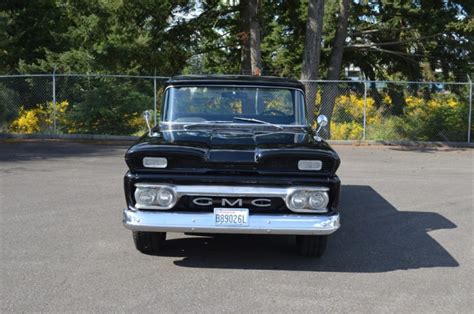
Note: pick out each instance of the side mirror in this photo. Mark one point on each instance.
(146, 116)
(322, 122)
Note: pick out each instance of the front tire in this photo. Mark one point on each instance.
(311, 245)
(149, 242)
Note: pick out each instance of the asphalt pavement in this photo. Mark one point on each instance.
(405, 245)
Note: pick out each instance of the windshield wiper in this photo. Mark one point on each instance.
(204, 123)
(258, 121)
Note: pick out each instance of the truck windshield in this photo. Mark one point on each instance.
(207, 104)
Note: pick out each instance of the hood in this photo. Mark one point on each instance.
(235, 139)
(208, 148)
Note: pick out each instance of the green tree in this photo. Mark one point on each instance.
(97, 36)
(406, 39)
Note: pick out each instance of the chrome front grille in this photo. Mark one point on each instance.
(254, 204)
(207, 197)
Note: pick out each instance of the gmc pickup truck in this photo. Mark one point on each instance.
(232, 154)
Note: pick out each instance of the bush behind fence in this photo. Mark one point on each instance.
(359, 110)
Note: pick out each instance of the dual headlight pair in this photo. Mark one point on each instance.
(155, 198)
(307, 201)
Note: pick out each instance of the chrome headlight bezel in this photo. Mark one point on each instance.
(156, 189)
(308, 193)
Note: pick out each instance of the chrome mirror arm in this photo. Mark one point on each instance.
(317, 137)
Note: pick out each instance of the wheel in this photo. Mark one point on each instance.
(311, 245)
(148, 242)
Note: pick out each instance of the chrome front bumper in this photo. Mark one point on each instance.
(163, 221)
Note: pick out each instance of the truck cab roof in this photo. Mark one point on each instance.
(235, 80)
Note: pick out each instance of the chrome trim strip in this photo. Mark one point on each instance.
(234, 191)
(226, 190)
(309, 211)
(204, 222)
(170, 123)
(269, 86)
(154, 207)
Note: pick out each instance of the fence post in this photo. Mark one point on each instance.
(469, 118)
(54, 100)
(154, 97)
(365, 107)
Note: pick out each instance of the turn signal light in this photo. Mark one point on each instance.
(310, 165)
(155, 162)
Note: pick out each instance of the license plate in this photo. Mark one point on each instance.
(231, 217)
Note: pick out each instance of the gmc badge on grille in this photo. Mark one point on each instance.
(207, 201)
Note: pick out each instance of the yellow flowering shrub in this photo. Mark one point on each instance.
(27, 122)
(352, 107)
(40, 118)
(387, 100)
(419, 107)
(346, 130)
(136, 121)
(348, 116)
(440, 117)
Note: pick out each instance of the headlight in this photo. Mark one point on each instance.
(298, 200)
(165, 197)
(308, 201)
(318, 200)
(155, 197)
(145, 196)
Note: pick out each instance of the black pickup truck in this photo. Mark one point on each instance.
(232, 154)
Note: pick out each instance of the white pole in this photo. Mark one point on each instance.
(154, 97)
(469, 118)
(54, 100)
(365, 107)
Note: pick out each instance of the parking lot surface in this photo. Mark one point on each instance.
(405, 245)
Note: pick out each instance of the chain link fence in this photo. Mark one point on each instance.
(393, 111)
(78, 104)
(358, 110)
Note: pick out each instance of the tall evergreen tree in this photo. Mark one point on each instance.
(330, 91)
(312, 52)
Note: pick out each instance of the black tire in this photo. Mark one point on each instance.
(311, 245)
(149, 242)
